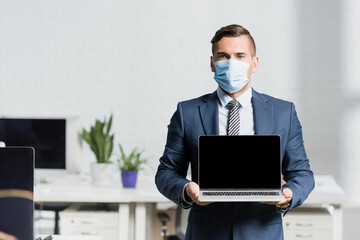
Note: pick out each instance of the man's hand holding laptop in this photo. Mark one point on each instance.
(192, 190)
(283, 204)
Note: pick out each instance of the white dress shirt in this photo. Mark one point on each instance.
(245, 111)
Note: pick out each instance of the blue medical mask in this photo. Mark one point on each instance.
(231, 74)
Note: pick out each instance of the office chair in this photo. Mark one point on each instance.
(180, 224)
(16, 192)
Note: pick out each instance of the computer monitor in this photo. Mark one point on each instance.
(57, 141)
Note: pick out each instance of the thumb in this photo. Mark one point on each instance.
(287, 193)
(193, 190)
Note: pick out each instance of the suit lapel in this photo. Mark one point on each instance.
(209, 114)
(263, 114)
(262, 110)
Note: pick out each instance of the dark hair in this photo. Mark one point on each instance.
(232, 30)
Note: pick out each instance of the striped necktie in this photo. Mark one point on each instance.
(234, 118)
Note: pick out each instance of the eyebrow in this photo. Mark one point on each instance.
(221, 53)
(224, 53)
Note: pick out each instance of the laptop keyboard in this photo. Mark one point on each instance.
(214, 193)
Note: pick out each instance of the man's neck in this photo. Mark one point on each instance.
(239, 93)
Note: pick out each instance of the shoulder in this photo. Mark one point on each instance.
(195, 102)
(276, 102)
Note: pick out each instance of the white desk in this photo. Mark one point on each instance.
(73, 188)
(78, 189)
(328, 192)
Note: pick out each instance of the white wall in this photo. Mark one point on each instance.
(349, 161)
(137, 59)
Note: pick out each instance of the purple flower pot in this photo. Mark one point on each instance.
(129, 179)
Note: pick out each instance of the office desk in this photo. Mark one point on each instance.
(135, 205)
(328, 193)
(78, 189)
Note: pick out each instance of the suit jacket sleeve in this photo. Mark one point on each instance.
(296, 169)
(170, 178)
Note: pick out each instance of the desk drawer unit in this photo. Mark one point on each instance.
(89, 221)
(308, 223)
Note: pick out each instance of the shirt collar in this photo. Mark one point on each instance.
(244, 99)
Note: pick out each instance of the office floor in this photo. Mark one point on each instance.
(45, 225)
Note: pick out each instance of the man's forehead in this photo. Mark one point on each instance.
(239, 44)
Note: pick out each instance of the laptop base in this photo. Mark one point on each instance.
(241, 196)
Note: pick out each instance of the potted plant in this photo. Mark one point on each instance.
(101, 143)
(129, 166)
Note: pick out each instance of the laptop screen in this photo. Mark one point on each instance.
(16, 192)
(240, 162)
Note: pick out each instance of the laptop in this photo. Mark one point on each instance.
(16, 192)
(241, 168)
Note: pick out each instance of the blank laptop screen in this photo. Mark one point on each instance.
(240, 162)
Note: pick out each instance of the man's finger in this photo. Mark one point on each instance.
(202, 203)
(283, 202)
(276, 203)
(270, 203)
(194, 196)
(192, 189)
(287, 193)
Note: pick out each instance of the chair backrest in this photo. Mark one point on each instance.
(181, 222)
(16, 192)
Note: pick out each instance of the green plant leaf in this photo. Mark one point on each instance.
(99, 140)
(109, 125)
(131, 162)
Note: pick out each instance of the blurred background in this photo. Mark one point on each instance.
(137, 59)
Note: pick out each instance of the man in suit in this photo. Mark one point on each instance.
(233, 62)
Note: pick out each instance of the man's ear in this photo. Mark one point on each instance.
(255, 63)
(212, 64)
